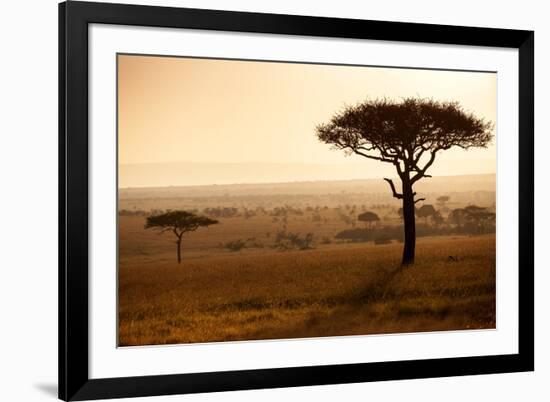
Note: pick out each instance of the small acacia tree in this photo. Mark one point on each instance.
(178, 222)
(407, 134)
(368, 217)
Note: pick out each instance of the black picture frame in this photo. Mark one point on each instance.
(74, 381)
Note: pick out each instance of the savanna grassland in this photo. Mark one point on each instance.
(242, 279)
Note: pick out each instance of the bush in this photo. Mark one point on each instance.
(235, 245)
(288, 241)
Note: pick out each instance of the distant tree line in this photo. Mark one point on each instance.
(471, 220)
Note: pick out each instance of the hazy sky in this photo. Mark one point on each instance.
(224, 111)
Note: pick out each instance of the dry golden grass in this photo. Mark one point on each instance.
(336, 289)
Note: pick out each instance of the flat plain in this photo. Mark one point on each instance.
(332, 287)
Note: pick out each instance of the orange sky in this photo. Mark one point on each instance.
(224, 111)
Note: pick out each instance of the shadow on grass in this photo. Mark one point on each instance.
(375, 291)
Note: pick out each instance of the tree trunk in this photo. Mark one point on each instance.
(178, 242)
(409, 224)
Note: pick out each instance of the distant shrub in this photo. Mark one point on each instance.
(235, 245)
(288, 241)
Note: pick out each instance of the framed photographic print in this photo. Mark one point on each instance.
(258, 201)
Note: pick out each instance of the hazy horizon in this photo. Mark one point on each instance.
(378, 180)
(172, 174)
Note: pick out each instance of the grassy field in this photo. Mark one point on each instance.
(261, 293)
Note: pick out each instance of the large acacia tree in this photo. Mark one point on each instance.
(178, 222)
(407, 134)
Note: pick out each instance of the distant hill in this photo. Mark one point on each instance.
(441, 184)
(199, 173)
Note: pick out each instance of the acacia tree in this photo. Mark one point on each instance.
(426, 211)
(457, 217)
(178, 222)
(407, 134)
(368, 217)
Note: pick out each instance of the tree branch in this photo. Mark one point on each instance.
(373, 157)
(422, 172)
(419, 155)
(399, 171)
(395, 193)
(420, 199)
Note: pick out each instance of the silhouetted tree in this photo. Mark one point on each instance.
(479, 217)
(178, 222)
(457, 217)
(407, 134)
(472, 219)
(426, 211)
(368, 217)
(437, 218)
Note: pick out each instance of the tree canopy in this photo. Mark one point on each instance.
(407, 134)
(426, 211)
(178, 222)
(368, 217)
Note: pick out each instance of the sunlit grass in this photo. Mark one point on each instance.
(337, 289)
